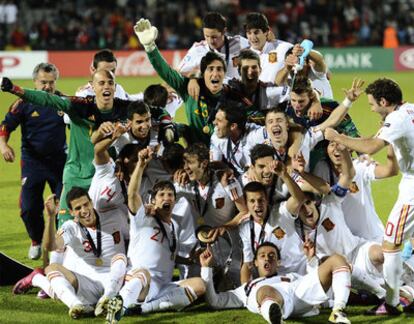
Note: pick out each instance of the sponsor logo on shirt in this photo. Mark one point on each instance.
(387, 125)
(35, 114)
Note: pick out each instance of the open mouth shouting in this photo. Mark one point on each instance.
(166, 206)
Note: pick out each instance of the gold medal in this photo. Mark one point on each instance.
(206, 129)
(99, 262)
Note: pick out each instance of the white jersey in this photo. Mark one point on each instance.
(280, 232)
(213, 204)
(224, 149)
(112, 242)
(149, 248)
(107, 196)
(321, 83)
(272, 59)
(229, 52)
(358, 205)
(332, 233)
(398, 130)
(153, 173)
(128, 138)
(184, 218)
(276, 192)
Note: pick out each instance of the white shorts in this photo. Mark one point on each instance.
(159, 288)
(89, 291)
(360, 259)
(400, 224)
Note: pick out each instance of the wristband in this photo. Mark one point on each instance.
(196, 75)
(347, 103)
(339, 191)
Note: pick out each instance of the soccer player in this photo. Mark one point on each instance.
(278, 297)
(43, 152)
(155, 240)
(228, 47)
(358, 206)
(99, 252)
(385, 98)
(272, 52)
(200, 112)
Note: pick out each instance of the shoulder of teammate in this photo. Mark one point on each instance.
(242, 41)
(85, 90)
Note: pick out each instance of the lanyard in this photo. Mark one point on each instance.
(262, 231)
(232, 152)
(249, 286)
(97, 250)
(173, 244)
(198, 196)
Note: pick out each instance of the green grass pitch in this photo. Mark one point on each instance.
(15, 242)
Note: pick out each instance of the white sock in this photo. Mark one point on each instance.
(118, 269)
(341, 286)
(131, 290)
(56, 257)
(63, 289)
(367, 282)
(392, 269)
(43, 283)
(265, 307)
(177, 298)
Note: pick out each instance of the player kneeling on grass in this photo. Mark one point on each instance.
(154, 243)
(99, 250)
(279, 297)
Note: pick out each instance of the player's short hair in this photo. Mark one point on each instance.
(387, 89)
(214, 20)
(256, 20)
(260, 151)
(209, 58)
(156, 95)
(247, 54)
(199, 149)
(267, 243)
(234, 115)
(277, 110)
(75, 193)
(253, 186)
(45, 67)
(109, 74)
(165, 184)
(137, 107)
(105, 55)
(302, 85)
(173, 156)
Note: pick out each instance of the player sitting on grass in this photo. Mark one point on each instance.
(279, 297)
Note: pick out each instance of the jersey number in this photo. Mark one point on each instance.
(154, 237)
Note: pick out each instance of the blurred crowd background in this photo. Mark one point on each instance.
(93, 24)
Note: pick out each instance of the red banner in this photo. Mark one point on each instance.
(404, 58)
(130, 63)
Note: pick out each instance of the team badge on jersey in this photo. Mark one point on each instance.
(235, 61)
(328, 225)
(279, 233)
(219, 202)
(353, 188)
(272, 58)
(87, 246)
(117, 237)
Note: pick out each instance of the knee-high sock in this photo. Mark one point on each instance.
(265, 307)
(177, 298)
(365, 281)
(392, 269)
(42, 282)
(117, 274)
(132, 288)
(341, 286)
(63, 289)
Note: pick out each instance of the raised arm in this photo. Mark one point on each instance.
(51, 241)
(134, 198)
(390, 168)
(105, 135)
(347, 169)
(339, 112)
(319, 63)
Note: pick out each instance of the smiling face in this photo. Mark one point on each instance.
(214, 38)
(222, 126)
(262, 170)
(193, 167)
(82, 210)
(308, 213)
(250, 70)
(300, 103)
(266, 261)
(257, 38)
(141, 125)
(334, 153)
(257, 204)
(164, 201)
(277, 126)
(214, 76)
(103, 84)
(45, 81)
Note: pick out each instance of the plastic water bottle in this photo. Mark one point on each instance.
(307, 45)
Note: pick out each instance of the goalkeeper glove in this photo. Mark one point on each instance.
(146, 34)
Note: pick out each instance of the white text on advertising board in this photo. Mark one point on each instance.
(349, 60)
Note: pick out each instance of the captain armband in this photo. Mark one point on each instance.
(339, 191)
